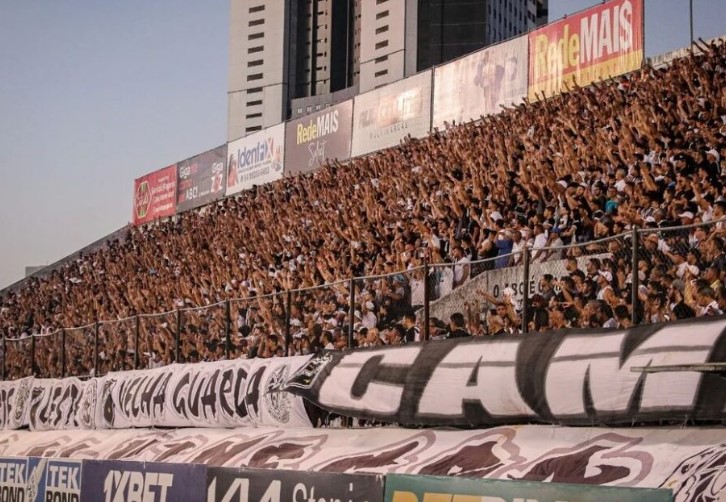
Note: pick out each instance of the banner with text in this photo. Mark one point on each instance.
(54, 404)
(427, 488)
(255, 159)
(143, 481)
(201, 179)
(311, 140)
(481, 84)
(597, 43)
(14, 403)
(572, 378)
(155, 195)
(224, 483)
(384, 116)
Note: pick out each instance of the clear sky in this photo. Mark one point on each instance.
(96, 93)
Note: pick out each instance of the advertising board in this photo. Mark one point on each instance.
(255, 159)
(201, 179)
(313, 139)
(481, 83)
(155, 195)
(597, 43)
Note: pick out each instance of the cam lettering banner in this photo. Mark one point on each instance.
(594, 44)
(201, 179)
(574, 378)
(425, 488)
(312, 140)
(154, 195)
(481, 84)
(255, 159)
(225, 484)
(383, 117)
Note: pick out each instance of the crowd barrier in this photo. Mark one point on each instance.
(65, 480)
(227, 330)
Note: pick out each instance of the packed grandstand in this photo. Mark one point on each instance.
(537, 296)
(569, 179)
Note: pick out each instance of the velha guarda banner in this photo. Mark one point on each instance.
(594, 44)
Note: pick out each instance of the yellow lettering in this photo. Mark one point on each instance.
(573, 50)
(404, 497)
(540, 62)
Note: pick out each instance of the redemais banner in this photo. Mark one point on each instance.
(595, 44)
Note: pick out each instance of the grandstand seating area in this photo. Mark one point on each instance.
(567, 177)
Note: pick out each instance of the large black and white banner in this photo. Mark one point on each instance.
(573, 378)
(54, 404)
(219, 394)
(225, 483)
(14, 401)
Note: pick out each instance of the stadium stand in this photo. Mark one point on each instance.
(568, 178)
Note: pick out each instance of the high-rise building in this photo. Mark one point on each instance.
(291, 57)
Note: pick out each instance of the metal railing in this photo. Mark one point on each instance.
(530, 289)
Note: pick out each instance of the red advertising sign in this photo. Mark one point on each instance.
(155, 195)
(603, 41)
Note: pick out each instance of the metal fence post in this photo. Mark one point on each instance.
(177, 338)
(288, 336)
(228, 330)
(95, 350)
(635, 280)
(63, 353)
(32, 356)
(351, 312)
(427, 300)
(525, 297)
(136, 342)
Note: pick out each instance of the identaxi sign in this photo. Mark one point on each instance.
(451, 489)
(597, 43)
(256, 159)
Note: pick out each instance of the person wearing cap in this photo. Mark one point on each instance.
(605, 291)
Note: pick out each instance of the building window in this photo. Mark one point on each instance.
(381, 45)
(254, 103)
(381, 15)
(380, 73)
(253, 116)
(256, 22)
(254, 76)
(259, 8)
(381, 59)
(382, 29)
(256, 62)
(253, 129)
(252, 50)
(254, 36)
(252, 90)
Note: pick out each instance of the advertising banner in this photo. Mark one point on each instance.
(572, 378)
(22, 479)
(224, 483)
(143, 481)
(597, 43)
(384, 116)
(201, 179)
(155, 195)
(54, 404)
(62, 481)
(427, 488)
(311, 140)
(14, 403)
(255, 159)
(481, 83)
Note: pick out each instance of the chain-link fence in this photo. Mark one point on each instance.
(644, 276)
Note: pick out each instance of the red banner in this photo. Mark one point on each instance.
(601, 42)
(155, 195)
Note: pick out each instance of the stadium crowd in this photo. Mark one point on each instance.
(556, 176)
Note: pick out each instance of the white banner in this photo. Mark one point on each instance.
(256, 159)
(54, 404)
(481, 83)
(14, 402)
(383, 117)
